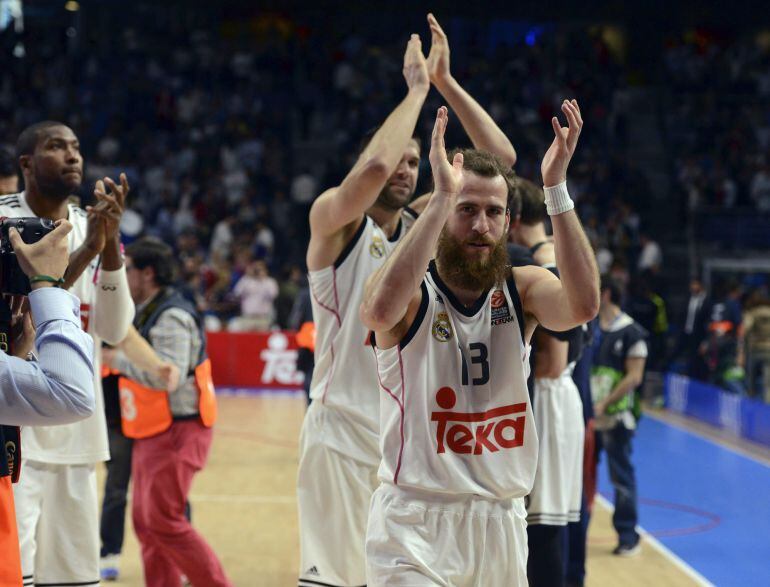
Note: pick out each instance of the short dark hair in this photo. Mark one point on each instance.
(152, 252)
(532, 202)
(486, 164)
(611, 285)
(7, 163)
(30, 136)
(369, 135)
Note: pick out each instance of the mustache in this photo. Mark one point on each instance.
(480, 240)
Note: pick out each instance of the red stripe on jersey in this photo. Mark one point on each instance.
(400, 407)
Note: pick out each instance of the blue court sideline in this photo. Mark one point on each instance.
(707, 504)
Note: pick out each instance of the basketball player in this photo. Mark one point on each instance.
(56, 498)
(558, 411)
(459, 447)
(354, 227)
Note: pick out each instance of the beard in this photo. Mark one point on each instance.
(56, 187)
(468, 272)
(389, 200)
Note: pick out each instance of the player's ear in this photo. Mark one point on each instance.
(511, 223)
(25, 163)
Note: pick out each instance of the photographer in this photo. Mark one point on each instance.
(56, 389)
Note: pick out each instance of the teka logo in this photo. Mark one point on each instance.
(471, 433)
(280, 362)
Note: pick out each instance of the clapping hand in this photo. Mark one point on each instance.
(104, 217)
(438, 58)
(415, 68)
(559, 154)
(447, 178)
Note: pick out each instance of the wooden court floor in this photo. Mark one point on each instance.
(244, 504)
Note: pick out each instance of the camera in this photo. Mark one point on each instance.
(12, 278)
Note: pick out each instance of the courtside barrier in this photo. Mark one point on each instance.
(254, 359)
(742, 416)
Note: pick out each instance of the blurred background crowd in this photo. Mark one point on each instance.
(230, 122)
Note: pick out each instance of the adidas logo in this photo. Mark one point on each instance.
(312, 571)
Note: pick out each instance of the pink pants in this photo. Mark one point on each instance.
(162, 469)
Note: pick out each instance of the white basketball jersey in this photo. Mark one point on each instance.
(345, 373)
(455, 411)
(85, 441)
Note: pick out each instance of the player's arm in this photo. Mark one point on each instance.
(478, 124)
(561, 304)
(113, 306)
(631, 380)
(392, 294)
(338, 207)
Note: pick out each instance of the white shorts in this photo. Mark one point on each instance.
(57, 513)
(333, 496)
(431, 539)
(555, 496)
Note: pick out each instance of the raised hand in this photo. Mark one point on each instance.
(415, 68)
(48, 256)
(438, 58)
(559, 154)
(110, 205)
(447, 179)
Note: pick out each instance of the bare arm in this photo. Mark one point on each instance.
(338, 207)
(78, 262)
(482, 130)
(392, 293)
(631, 380)
(561, 304)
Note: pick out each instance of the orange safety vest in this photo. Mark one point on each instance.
(10, 567)
(145, 411)
(306, 336)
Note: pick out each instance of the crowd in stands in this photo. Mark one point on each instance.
(228, 133)
(718, 119)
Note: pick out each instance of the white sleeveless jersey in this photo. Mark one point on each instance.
(85, 441)
(345, 373)
(455, 411)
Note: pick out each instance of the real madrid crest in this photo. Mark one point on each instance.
(377, 248)
(442, 328)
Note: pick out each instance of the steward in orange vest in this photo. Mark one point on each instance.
(145, 411)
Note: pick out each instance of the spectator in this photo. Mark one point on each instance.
(755, 345)
(651, 256)
(617, 371)
(256, 291)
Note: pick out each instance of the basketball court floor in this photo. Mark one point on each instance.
(704, 503)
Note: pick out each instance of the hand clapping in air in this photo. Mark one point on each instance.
(559, 154)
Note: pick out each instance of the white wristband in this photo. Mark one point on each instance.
(557, 200)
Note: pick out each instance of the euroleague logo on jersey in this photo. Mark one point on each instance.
(500, 312)
(472, 432)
